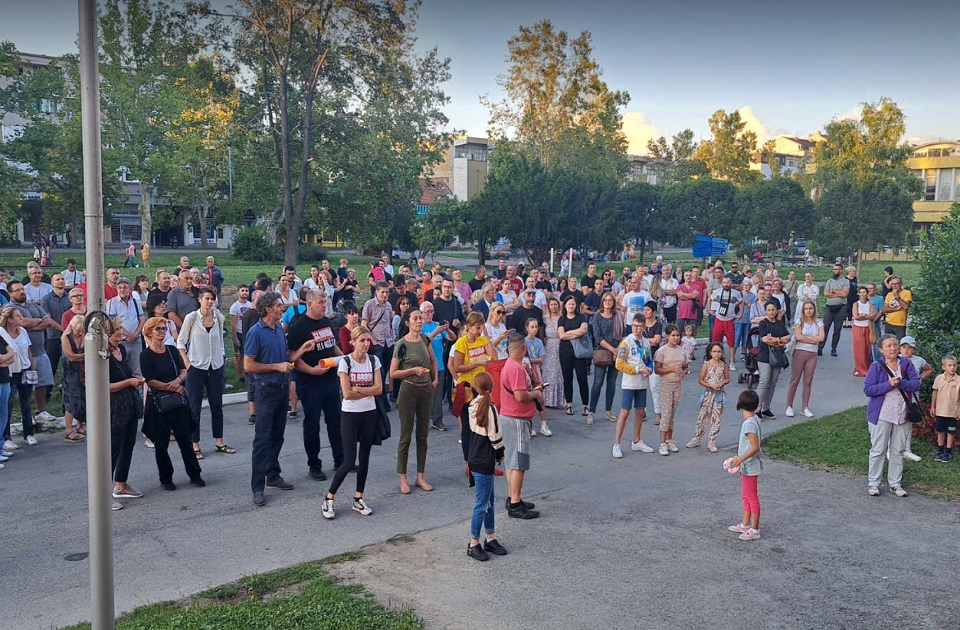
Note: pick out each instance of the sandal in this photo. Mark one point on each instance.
(82, 430)
(74, 436)
(223, 448)
(198, 453)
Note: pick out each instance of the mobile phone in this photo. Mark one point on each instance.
(544, 385)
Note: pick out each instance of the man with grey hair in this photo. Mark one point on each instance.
(36, 288)
(127, 307)
(310, 340)
(267, 364)
(36, 321)
(182, 299)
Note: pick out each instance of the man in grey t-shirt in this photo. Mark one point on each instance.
(835, 290)
(182, 300)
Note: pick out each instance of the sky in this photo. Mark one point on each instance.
(789, 67)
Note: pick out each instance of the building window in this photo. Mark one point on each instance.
(211, 234)
(945, 187)
(930, 185)
(475, 152)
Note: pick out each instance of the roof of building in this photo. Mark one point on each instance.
(433, 188)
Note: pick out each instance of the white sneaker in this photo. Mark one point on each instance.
(116, 505)
(663, 450)
(733, 367)
(361, 507)
(789, 412)
(899, 491)
(873, 491)
(32, 440)
(4, 459)
(10, 445)
(46, 416)
(533, 433)
(545, 430)
(327, 509)
(617, 451)
(2, 466)
(913, 457)
(807, 412)
(673, 447)
(147, 442)
(589, 418)
(640, 446)
(7, 454)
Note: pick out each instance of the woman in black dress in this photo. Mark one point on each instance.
(126, 407)
(163, 368)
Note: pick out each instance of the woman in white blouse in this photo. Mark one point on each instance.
(806, 292)
(201, 345)
(287, 295)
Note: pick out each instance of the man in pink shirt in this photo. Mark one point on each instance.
(701, 284)
(518, 406)
(688, 298)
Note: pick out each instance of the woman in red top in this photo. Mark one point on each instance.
(353, 317)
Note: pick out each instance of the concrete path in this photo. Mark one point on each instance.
(637, 542)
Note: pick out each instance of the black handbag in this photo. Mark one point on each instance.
(914, 412)
(778, 358)
(171, 401)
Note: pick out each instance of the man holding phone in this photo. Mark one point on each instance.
(435, 333)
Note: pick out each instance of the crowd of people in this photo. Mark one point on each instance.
(495, 352)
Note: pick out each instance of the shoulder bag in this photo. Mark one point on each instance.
(168, 402)
(778, 358)
(914, 412)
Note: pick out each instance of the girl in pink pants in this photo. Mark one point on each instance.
(748, 459)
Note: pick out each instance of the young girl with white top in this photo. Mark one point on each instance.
(361, 383)
(751, 465)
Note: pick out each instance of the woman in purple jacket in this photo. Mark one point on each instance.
(885, 384)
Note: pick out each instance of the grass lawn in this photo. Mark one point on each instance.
(304, 596)
(840, 443)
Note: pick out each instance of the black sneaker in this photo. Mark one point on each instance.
(527, 504)
(280, 484)
(318, 474)
(199, 482)
(258, 499)
(477, 553)
(252, 419)
(947, 457)
(169, 486)
(492, 546)
(767, 414)
(833, 352)
(439, 426)
(521, 511)
(819, 352)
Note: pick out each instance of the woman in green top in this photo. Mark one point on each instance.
(416, 367)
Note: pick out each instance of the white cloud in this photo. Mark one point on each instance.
(754, 124)
(854, 114)
(638, 128)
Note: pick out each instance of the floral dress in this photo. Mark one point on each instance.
(553, 395)
(74, 396)
(711, 404)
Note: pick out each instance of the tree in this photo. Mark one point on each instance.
(554, 84)
(445, 220)
(675, 159)
(769, 153)
(859, 213)
(638, 217)
(143, 47)
(771, 210)
(703, 206)
(728, 151)
(936, 310)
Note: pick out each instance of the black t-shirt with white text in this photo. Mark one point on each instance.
(321, 331)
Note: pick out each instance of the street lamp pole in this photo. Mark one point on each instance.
(96, 346)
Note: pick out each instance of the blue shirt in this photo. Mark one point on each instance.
(752, 466)
(266, 345)
(292, 311)
(436, 344)
(750, 299)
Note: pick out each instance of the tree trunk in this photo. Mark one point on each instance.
(146, 219)
(643, 249)
(481, 250)
(203, 210)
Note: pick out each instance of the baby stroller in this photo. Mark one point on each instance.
(751, 371)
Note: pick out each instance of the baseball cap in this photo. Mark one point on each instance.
(910, 341)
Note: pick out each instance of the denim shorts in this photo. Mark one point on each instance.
(636, 398)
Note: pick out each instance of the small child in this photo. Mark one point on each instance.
(532, 362)
(486, 449)
(714, 374)
(751, 465)
(689, 341)
(671, 364)
(946, 391)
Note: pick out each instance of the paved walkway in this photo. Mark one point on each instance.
(637, 542)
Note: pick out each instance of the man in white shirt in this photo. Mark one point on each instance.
(726, 304)
(37, 288)
(71, 275)
(632, 302)
(128, 307)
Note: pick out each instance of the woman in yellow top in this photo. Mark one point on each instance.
(145, 254)
(471, 354)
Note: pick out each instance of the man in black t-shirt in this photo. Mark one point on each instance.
(587, 280)
(318, 387)
(398, 291)
(479, 280)
(518, 318)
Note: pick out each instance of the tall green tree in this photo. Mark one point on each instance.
(704, 206)
(727, 153)
(553, 84)
(936, 312)
(446, 219)
(638, 218)
(676, 158)
(771, 210)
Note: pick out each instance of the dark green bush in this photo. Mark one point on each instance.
(311, 254)
(250, 244)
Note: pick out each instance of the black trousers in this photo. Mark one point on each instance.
(833, 316)
(272, 400)
(321, 400)
(358, 430)
(121, 449)
(568, 365)
(181, 424)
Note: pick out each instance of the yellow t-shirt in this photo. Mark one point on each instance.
(472, 352)
(900, 317)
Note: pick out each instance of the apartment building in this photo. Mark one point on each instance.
(937, 164)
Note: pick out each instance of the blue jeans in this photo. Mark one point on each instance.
(710, 320)
(25, 393)
(272, 400)
(483, 510)
(4, 411)
(608, 373)
(210, 381)
(740, 333)
(319, 399)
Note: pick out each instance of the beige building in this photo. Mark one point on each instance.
(937, 164)
(464, 167)
(793, 154)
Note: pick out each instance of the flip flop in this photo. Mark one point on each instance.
(74, 437)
